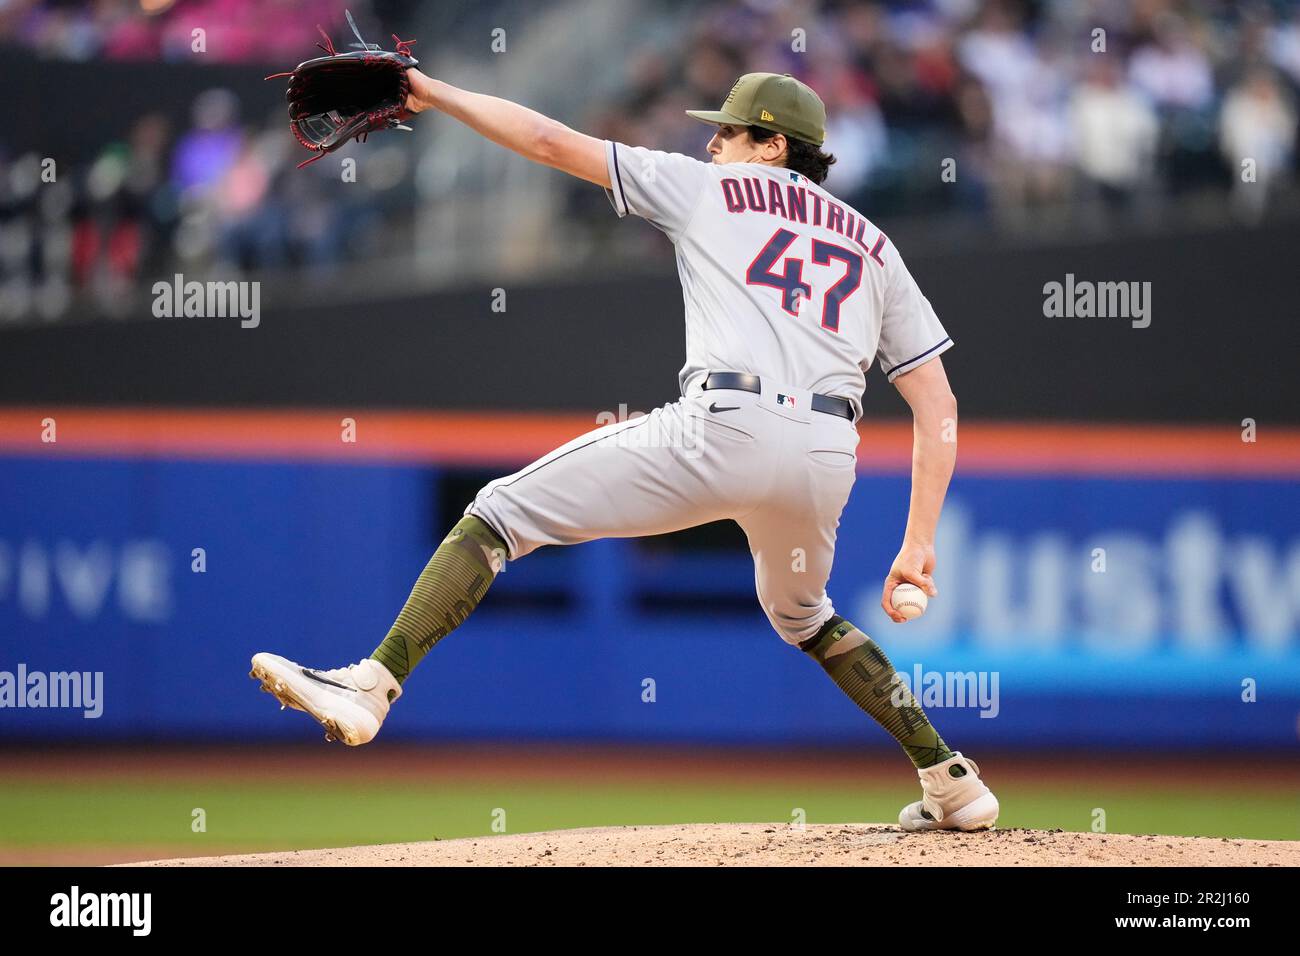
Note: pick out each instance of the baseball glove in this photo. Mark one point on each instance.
(343, 96)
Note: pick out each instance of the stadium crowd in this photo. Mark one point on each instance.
(1011, 114)
(1041, 106)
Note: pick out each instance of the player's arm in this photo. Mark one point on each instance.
(934, 455)
(517, 128)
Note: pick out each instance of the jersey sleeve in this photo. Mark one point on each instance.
(910, 332)
(663, 188)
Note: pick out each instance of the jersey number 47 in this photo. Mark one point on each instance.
(790, 280)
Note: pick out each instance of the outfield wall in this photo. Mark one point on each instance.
(1220, 346)
(310, 546)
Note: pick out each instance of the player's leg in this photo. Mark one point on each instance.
(467, 562)
(557, 488)
(447, 591)
(792, 561)
(677, 467)
(792, 539)
(648, 475)
(795, 599)
(662, 472)
(860, 668)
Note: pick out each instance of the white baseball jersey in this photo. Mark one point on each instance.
(780, 280)
(779, 277)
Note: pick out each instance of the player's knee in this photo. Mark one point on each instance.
(495, 526)
(797, 624)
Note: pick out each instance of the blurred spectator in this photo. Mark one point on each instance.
(854, 122)
(1032, 134)
(206, 152)
(1115, 133)
(1283, 42)
(1173, 71)
(1000, 54)
(249, 221)
(1257, 126)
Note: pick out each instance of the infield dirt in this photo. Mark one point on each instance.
(758, 844)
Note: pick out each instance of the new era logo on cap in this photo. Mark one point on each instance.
(766, 117)
(786, 400)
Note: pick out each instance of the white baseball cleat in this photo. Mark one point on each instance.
(955, 798)
(349, 702)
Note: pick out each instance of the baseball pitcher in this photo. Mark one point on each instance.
(790, 296)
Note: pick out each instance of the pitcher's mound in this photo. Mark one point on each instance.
(770, 844)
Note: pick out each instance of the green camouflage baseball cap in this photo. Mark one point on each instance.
(775, 101)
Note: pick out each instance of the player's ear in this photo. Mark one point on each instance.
(774, 148)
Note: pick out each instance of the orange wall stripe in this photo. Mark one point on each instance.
(510, 439)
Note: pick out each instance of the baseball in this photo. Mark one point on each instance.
(909, 601)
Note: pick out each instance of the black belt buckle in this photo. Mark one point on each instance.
(744, 382)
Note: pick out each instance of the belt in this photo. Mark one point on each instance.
(743, 382)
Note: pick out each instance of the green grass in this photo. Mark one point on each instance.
(280, 815)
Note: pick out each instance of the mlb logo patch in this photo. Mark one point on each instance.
(794, 177)
(785, 400)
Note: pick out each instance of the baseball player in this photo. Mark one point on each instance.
(790, 296)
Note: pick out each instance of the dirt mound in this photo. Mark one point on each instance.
(767, 844)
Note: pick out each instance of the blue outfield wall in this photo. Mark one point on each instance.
(1111, 612)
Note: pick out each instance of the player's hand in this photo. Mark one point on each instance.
(417, 101)
(914, 565)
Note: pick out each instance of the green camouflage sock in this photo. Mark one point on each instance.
(448, 589)
(860, 668)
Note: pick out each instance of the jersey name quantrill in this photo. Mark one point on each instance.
(798, 204)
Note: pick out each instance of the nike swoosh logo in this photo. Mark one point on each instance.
(325, 680)
(715, 407)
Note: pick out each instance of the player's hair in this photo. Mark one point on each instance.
(801, 156)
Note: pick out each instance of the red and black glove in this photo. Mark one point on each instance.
(343, 96)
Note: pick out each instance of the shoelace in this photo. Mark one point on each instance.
(340, 673)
